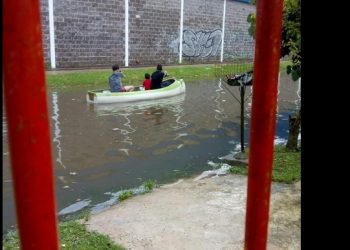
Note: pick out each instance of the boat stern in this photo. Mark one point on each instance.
(90, 96)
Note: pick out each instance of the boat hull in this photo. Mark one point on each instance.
(105, 96)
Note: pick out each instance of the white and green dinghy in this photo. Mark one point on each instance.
(176, 87)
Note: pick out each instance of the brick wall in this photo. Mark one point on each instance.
(45, 30)
(91, 33)
(238, 43)
(154, 24)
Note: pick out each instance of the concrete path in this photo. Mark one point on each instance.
(199, 214)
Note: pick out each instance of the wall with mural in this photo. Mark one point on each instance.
(92, 33)
(202, 30)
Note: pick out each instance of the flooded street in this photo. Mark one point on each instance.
(101, 149)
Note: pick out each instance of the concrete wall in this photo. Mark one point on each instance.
(238, 43)
(91, 33)
(45, 29)
(154, 25)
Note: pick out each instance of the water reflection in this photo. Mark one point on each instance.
(125, 131)
(4, 126)
(298, 100)
(154, 113)
(132, 122)
(4, 134)
(178, 113)
(220, 112)
(278, 91)
(57, 130)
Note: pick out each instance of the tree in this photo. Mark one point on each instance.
(291, 37)
(251, 18)
(291, 46)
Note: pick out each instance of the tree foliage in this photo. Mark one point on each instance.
(291, 36)
(251, 19)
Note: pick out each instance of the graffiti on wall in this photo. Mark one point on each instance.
(201, 43)
(204, 44)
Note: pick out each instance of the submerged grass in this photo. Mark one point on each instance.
(125, 195)
(83, 215)
(286, 166)
(149, 185)
(72, 236)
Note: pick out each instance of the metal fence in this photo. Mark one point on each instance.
(226, 70)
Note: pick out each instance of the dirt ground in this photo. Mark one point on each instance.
(199, 213)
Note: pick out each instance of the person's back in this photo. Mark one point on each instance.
(115, 82)
(147, 82)
(157, 78)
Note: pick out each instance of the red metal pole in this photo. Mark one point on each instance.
(28, 125)
(262, 131)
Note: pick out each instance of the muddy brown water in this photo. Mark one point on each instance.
(101, 149)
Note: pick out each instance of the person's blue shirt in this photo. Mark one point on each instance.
(115, 82)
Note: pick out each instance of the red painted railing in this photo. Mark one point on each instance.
(28, 125)
(29, 135)
(262, 131)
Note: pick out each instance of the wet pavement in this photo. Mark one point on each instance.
(206, 212)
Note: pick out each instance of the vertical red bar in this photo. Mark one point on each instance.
(262, 131)
(28, 124)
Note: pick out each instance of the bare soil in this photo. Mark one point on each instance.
(196, 213)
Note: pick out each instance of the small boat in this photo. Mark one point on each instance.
(173, 87)
(128, 107)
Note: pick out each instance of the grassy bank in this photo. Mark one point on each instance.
(135, 76)
(72, 236)
(286, 166)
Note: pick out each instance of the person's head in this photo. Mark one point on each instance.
(159, 67)
(147, 76)
(115, 67)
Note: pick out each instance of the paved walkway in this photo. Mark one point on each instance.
(199, 214)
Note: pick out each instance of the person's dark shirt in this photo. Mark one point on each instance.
(157, 78)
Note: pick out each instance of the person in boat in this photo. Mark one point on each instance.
(115, 81)
(157, 77)
(147, 82)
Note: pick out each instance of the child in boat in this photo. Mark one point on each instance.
(147, 82)
(115, 81)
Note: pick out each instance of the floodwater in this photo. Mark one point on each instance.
(100, 149)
